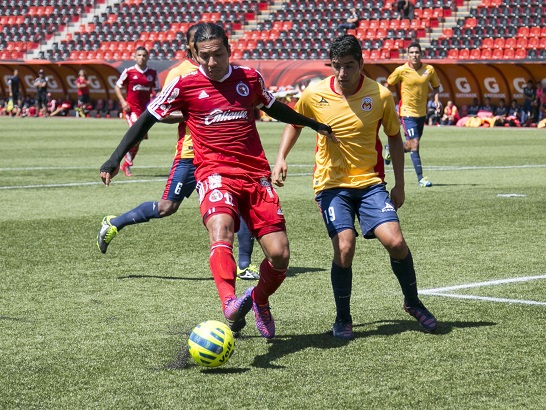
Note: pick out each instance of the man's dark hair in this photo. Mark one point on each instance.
(210, 31)
(141, 48)
(345, 45)
(191, 30)
(415, 44)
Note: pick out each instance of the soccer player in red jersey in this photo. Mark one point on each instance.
(84, 98)
(140, 82)
(233, 176)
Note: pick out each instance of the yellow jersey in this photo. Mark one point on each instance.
(414, 88)
(184, 147)
(356, 162)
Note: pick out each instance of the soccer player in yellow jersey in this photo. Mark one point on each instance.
(349, 175)
(180, 184)
(415, 80)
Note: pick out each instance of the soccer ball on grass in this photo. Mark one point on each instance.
(211, 343)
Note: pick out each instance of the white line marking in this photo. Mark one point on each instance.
(473, 297)
(442, 291)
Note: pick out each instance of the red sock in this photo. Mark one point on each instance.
(270, 280)
(223, 269)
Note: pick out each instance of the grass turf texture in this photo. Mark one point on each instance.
(84, 330)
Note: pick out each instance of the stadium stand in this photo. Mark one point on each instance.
(63, 30)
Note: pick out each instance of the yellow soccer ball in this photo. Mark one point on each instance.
(211, 343)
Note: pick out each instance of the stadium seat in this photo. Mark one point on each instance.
(510, 42)
(520, 54)
(521, 42)
(475, 54)
(487, 42)
(453, 54)
(508, 54)
(486, 54)
(498, 43)
(464, 54)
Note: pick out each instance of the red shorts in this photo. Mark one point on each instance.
(255, 200)
(131, 117)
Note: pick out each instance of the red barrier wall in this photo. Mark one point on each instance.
(461, 82)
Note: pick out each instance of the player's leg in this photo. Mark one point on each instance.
(338, 213)
(378, 218)
(245, 239)
(266, 222)
(219, 209)
(414, 131)
(180, 184)
(130, 117)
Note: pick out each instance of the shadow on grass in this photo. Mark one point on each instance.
(283, 346)
(295, 271)
(292, 272)
(161, 277)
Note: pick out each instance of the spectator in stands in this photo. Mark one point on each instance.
(14, 83)
(487, 107)
(63, 107)
(404, 9)
(474, 108)
(84, 98)
(434, 111)
(41, 94)
(529, 103)
(451, 114)
(141, 82)
(351, 22)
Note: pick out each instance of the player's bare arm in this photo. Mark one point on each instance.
(288, 139)
(134, 135)
(123, 103)
(396, 147)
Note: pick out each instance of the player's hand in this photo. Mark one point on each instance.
(326, 130)
(278, 175)
(398, 196)
(125, 106)
(108, 171)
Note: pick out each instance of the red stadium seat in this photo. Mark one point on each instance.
(521, 42)
(543, 31)
(498, 42)
(542, 43)
(521, 53)
(453, 54)
(471, 22)
(486, 54)
(535, 31)
(475, 54)
(363, 24)
(487, 42)
(510, 42)
(366, 54)
(534, 42)
(497, 53)
(464, 54)
(508, 54)
(523, 32)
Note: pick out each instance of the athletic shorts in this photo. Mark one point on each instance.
(372, 206)
(41, 99)
(413, 126)
(84, 99)
(255, 200)
(181, 182)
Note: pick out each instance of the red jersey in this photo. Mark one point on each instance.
(220, 117)
(82, 90)
(140, 85)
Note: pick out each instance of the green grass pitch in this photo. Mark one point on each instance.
(80, 330)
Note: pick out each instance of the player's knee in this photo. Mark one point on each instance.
(167, 208)
(397, 247)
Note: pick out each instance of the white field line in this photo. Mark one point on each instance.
(75, 184)
(443, 291)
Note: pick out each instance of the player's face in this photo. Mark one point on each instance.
(214, 58)
(347, 73)
(141, 58)
(414, 56)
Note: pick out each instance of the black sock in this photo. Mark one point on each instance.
(405, 273)
(342, 282)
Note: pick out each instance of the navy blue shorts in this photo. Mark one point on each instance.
(181, 182)
(372, 206)
(413, 126)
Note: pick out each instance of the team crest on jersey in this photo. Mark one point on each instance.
(366, 104)
(215, 196)
(242, 89)
(173, 95)
(150, 78)
(322, 103)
